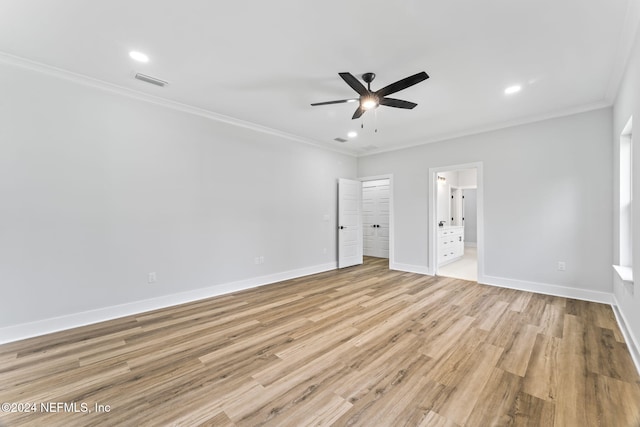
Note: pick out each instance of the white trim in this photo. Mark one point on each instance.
(470, 244)
(549, 289)
(632, 344)
(409, 268)
(157, 100)
(46, 326)
(433, 226)
(392, 256)
(9, 59)
(450, 261)
(494, 127)
(625, 273)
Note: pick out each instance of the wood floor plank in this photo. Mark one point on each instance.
(379, 399)
(390, 407)
(433, 419)
(451, 367)
(573, 397)
(552, 321)
(324, 410)
(371, 365)
(516, 355)
(442, 336)
(541, 379)
(521, 301)
(496, 399)
(359, 346)
(529, 411)
(488, 318)
(464, 396)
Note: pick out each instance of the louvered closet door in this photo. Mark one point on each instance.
(375, 218)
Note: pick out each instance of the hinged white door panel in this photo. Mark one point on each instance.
(349, 223)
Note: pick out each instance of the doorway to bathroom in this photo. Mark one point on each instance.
(454, 221)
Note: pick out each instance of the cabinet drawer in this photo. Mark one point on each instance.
(450, 240)
(450, 231)
(444, 256)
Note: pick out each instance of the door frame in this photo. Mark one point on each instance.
(392, 258)
(433, 224)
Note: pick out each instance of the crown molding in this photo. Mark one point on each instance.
(497, 126)
(631, 26)
(84, 80)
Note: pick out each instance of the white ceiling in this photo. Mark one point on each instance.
(264, 62)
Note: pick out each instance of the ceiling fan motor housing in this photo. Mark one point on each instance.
(368, 78)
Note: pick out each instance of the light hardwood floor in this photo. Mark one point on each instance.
(361, 346)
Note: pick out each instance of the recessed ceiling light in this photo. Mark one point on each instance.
(138, 56)
(512, 89)
(352, 134)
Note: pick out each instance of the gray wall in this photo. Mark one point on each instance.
(547, 198)
(97, 190)
(627, 105)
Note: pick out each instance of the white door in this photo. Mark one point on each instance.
(470, 217)
(375, 218)
(349, 223)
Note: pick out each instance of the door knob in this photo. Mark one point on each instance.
(341, 227)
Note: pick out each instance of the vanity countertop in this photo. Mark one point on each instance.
(450, 227)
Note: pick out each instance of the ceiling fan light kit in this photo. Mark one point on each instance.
(369, 99)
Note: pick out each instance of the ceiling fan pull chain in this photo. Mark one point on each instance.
(375, 119)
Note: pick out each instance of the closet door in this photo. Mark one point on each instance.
(375, 218)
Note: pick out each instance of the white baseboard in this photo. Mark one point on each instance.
(632, 344)
(522, 285)
(470, 244)
(548, 289)
(46, 326)
(409, 268)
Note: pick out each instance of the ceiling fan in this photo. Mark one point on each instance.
(369, 99)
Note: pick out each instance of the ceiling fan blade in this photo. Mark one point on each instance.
(334, 102)
(354, 83)
(402, 84)
(359, 112)
(397, 103)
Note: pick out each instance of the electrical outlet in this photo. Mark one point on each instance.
(324, 251)
(562, 266)
(259, 260)
(152, 278)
